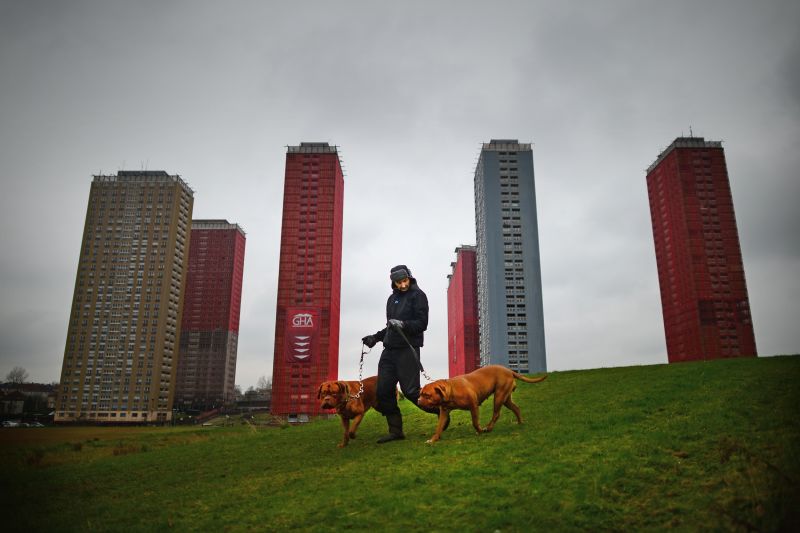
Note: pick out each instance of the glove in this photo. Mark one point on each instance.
(370, 341)
(397, 324)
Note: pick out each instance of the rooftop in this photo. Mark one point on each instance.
(462, 248)
(506, 144)
(216, 223)
(142, 176)
(312, 148)
(684, 142)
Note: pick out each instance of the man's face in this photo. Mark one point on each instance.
(403, 284)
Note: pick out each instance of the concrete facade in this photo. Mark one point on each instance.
(463, 348)
(510, 304)
(120, 359)
(309, 281)
(704, 297)
(210, 328)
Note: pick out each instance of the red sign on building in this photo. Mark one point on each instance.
(302, 335)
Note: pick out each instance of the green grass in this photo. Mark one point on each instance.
(694, 446)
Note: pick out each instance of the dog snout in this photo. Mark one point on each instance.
(327, 402)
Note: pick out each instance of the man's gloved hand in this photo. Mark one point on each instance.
(397, 324)
(370, 341)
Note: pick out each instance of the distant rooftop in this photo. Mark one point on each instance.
(462, 248)
(684, 142)
(216, 223)
(142, 176)
(312, 148)
(142, 173)
(506, 144)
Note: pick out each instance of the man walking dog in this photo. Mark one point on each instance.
(407, 320)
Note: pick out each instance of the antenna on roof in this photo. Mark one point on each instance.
(690, 132)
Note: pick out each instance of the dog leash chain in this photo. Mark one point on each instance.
(414, 350)
(425, 375)
(360, 374)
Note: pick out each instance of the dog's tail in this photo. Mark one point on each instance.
(527, 379)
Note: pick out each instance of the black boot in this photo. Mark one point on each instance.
(395, 429)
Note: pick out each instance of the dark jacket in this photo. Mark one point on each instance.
(412, 308)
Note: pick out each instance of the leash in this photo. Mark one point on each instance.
(361, 364)
(360, 373)
(414, 350)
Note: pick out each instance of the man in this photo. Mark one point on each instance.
(406, 315)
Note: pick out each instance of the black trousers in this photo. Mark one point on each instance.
(397, 365)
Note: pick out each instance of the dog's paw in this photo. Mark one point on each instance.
(341, 445)
(352, 435)
(430, 441)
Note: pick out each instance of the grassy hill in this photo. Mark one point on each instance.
(710, 445)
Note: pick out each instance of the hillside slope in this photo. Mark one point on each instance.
(710, 445)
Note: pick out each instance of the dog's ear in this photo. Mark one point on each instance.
(345, 388)
(440, 390)
(319, 391)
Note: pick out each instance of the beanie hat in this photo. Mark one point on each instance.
(400, 272)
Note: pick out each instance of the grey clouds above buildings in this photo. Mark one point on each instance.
(408, 91)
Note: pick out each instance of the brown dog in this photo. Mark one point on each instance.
(341, 395)
(467, 392)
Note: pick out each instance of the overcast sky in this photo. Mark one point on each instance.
(214, 91)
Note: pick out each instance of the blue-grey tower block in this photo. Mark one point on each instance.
(510, 306)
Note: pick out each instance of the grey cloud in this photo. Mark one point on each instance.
(215, 92)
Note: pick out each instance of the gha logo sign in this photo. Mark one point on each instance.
(303, 320)
(302, 335)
